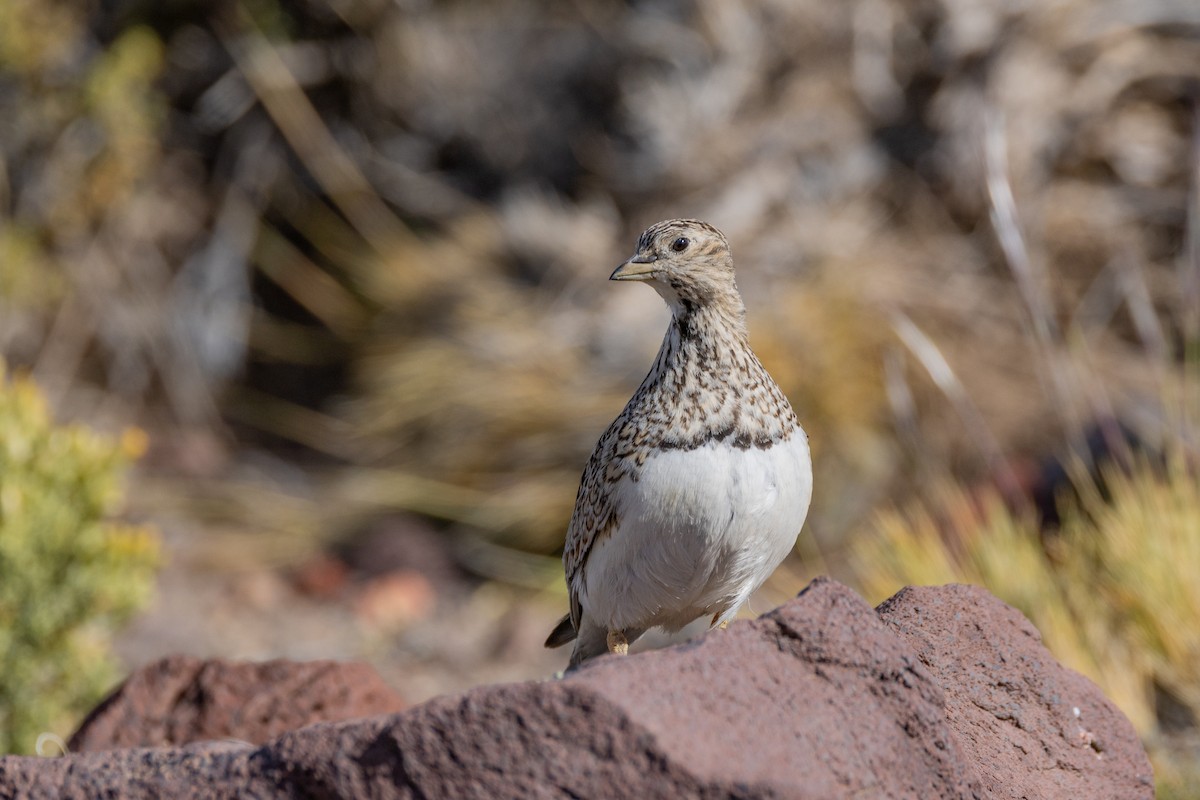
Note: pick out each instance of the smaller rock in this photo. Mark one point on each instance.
(323, 577)
(181, 699)
(396, 600)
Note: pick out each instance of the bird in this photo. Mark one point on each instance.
(700, 487)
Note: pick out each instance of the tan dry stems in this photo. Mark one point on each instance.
(771, 120)
(976, 318)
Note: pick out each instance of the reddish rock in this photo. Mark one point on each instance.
(820, 698)
(395, 600)
(323, 576)
(813, 699)
(180, 699)
(1031, 727)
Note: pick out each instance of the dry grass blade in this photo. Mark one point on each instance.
(302, 126)
(1189, 290)
(1046, 338)
(292, 422)
(309, 285)
(1078, 396)
(510, 565)
(931, 358)
(1189, 264)
(900, 398)
(1132, 281)
(397, 489)
(1005, 222)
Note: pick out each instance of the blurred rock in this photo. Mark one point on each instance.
(400, 542)
(396, 600)
(399, 566)
(950, 694)
(180, 700)
(322, 576)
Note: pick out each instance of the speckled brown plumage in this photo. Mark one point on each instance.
(705, 389)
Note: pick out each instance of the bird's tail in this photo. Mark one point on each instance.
(563, 632)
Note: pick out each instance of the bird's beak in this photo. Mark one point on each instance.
(638, 268)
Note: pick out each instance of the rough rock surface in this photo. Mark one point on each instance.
(180, 699)
(945, 693)
(1030, 727)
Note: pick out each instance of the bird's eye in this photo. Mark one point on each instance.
(680, 244)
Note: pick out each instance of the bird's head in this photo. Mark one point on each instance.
(688, 262)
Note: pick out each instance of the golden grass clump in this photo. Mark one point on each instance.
(483, 414)
(1144, 546)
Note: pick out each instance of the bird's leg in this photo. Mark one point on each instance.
(617, 643)
(724, 624)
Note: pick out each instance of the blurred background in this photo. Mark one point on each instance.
(308, 334)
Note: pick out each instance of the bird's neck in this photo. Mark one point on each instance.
(702, 339)
(706, 385)
(723, 320)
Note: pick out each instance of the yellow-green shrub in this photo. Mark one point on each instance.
(68, 575)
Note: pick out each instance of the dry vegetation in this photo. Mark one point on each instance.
(968, 234)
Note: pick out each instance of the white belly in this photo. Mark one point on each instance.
(697, 534)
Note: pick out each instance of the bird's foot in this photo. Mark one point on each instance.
(724, 624)
(617, 643)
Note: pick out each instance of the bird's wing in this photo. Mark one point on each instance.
(594, 517)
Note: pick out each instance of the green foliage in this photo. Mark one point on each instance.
(68, 576)
(1114, 593)
(85, 131)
